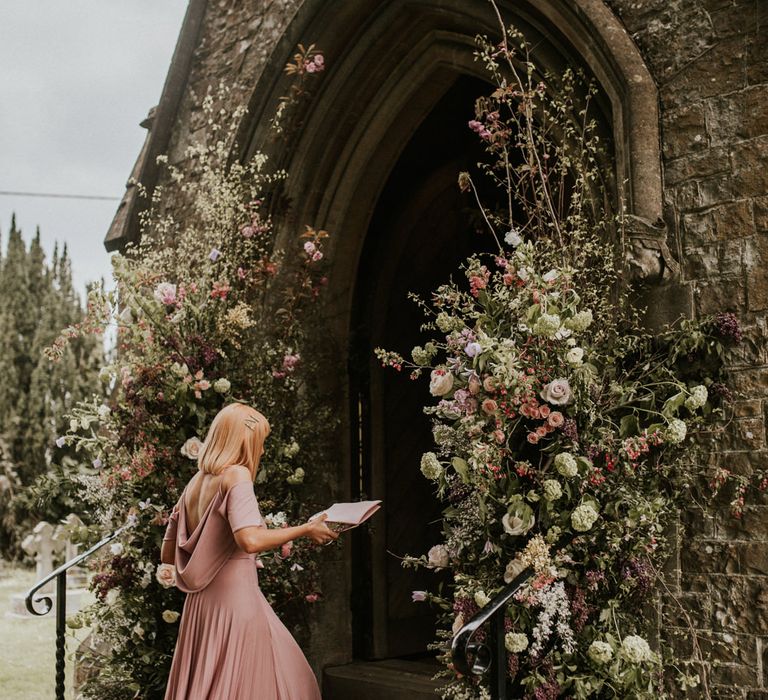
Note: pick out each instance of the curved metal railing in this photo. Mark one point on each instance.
(60, 575)
(471, 657)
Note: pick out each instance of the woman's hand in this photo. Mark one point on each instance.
(319, 532)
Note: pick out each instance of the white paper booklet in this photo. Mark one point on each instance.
(344, 516)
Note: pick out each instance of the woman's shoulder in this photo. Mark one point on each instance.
(235, 474)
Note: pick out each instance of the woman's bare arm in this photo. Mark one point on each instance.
(168, 552)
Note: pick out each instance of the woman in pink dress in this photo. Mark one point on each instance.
(231, 644)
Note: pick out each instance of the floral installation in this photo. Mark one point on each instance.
(208, 310)
(564, 431)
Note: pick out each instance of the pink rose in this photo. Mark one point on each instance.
(285, 550)
(473, 385)
(544, 411)
(555, 419)
(290, 361)
(489, 384)
(533, 438)
(311, 597)
(166, 575)
(489, 406)
(499, 436)
(191, 448)
(541, 431)
(508, 278)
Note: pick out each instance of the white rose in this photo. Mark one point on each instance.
(515, 525)
(574, 356)
(557, 392)
(440, 382)
(191, 448)
(170, 616)
(513, 569)
(438, 557)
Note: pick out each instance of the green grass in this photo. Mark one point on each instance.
(28, 645)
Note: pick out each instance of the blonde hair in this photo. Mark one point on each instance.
(236, 436)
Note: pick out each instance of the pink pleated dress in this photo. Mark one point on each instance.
(231, 644)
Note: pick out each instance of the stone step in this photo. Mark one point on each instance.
(389, 679)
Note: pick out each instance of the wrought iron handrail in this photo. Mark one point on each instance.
(490, 656)
(60, 575)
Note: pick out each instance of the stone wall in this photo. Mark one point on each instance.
(710, 61)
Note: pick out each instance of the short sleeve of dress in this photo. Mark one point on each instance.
(173, 520)
(242, 507)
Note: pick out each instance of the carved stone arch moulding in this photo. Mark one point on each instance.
(390, 62)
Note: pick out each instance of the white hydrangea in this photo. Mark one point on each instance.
(579, 322)
(583, 517)
(676, 431)
(697, 398)
(515, 642)
(552, 489)
(221, 385)
(565, 463)
(291, 449)
(547, 325)
(635, 649)
(430, 466)
(600, 652)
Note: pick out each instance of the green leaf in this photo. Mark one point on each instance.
(462, 468)
(629, 425)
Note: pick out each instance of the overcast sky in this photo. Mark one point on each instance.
(76, 78)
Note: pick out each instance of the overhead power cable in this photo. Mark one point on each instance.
(50, 195)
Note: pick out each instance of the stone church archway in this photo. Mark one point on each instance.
(354, 171)
(390, 64)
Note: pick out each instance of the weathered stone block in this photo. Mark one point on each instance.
(716, 71)
(737, 116)
(714, 260)
(712, 161)
(684, 131)
(750, 176)
(723, 222)
(724, 294)
(710, 555)
(756, 261)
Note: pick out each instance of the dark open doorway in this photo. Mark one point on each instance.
(422, 228)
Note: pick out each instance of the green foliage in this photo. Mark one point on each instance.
(38, 299)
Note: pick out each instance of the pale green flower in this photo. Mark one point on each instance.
(552, 489)
(430, 466)
(676, 431)
(697, 398)
(291, 449)
(481, 598)
(583, 517)
(565, 463)
(600, 652)
(297, 477)
(515, 642)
